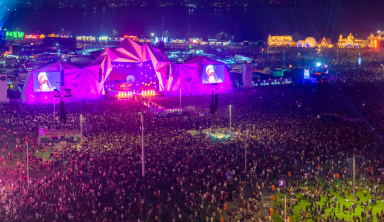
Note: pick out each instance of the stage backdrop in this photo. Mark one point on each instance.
(129, 53)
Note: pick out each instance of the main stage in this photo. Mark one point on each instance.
(121, 72)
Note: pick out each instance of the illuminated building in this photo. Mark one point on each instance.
(34, 37)
(133, 38)
(300, 43)
(86, 38)
(278, 41)
(350, 42)
(14, 35)
(325, 43)
(103, 39)
(376, 41)
(309, 42)
(195, 41)
(144, 40)
(180, 41)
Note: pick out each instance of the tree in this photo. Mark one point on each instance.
(219, 35)
(115, 33)
(226, 36)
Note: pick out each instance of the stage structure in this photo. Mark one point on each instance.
(128, 70)
(42, 84)
(132, 68)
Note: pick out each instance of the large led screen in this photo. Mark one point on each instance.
(213, 74)
(46, 81)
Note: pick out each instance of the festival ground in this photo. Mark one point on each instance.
(378, 208)
(232, 205)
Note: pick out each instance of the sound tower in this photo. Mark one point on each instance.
(63, 115)
(62, 78)
(212, 106)
(216, 102)
(62, 111)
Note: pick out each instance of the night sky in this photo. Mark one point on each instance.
(317, 18)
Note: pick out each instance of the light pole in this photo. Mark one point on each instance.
(337, 55)
(142, 146)
(354, 175)
(54, 110)
(27, 164)
(245, 147)
(180, 97)
(285, 207)
(81, 128)
(230, 122)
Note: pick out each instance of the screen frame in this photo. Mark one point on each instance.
(52, 81)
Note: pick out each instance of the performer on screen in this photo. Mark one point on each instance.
(45, 85)
(212, 77)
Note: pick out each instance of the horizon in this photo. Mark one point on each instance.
(249, 23)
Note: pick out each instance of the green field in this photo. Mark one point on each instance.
(339, 214)
(11, 141)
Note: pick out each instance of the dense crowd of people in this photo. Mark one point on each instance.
(188, 178)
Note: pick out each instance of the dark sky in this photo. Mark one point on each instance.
(316, 18)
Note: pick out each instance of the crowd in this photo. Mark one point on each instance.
(186, 177)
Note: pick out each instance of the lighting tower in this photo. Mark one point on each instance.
(62, 94)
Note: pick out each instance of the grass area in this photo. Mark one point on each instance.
(339, 214)
(277, 218)
(11, 145)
